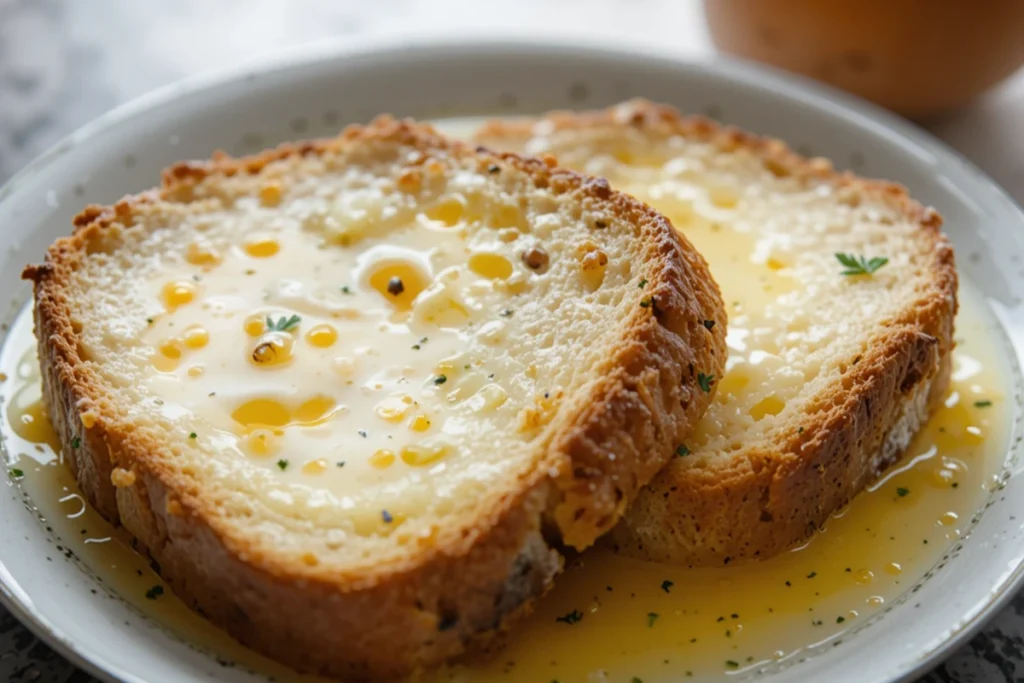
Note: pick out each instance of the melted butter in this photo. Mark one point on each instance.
(613, 618)
(657, 622)
(608, 618)
(328, 344)
(33, 454)
(612, 614)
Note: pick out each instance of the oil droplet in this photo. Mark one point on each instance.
(448, 211)
(263, 412)
(864, 576)
(201, 255)
(178, 294)
(255, 325)
(399, 282)
(260, 442)
(382, 459)
(195, 337)
(262, 247)
(421, 456)
(314, 467)
(420, 423)
(322, 336)
(392, 409)
(490, 266)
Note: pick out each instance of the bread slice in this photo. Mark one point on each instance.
(351, 395)
(830, 374)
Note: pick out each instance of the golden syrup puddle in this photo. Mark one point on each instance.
(623, 617)
(611, 618)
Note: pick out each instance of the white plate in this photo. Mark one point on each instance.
(312, 92)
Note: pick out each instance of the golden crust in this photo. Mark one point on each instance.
(774, 498)
(480, 574)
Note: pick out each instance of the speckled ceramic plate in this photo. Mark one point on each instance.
(312, 93)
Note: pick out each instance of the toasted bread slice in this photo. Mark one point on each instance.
(352, 394)
(830, 372)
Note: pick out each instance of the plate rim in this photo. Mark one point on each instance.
(793, 87)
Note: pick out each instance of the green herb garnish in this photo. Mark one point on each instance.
(901, 492)
(282, 464)
(982, 404)
(283, 324)
(154, 592)
(812, 575)
(643, 283)
(76, 442)
(682, 451)
(440, 379)
(666, 585)
(840, 620)
(860, 265)
(651, 618)
(705, 382)
(731, 664)
(571, 618)
(193, 435)
(709, 324)
(17, 473)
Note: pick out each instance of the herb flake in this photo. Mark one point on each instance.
(154, 592)
(860, 265)
(283, 323)
(651, 618)
(666, 585)
(440, 379)
(705, 382)
(902, 492)
(571, 618)
(682, 451)
(17, 473)
(282, 464)
(982, 404)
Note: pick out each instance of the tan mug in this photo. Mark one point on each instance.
(917, 57)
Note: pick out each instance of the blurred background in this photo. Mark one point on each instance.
(64, 62)
(953, 65)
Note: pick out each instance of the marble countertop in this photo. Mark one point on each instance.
(64, 62)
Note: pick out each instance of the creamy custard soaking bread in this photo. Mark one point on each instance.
(841, 295)
(354, 395)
